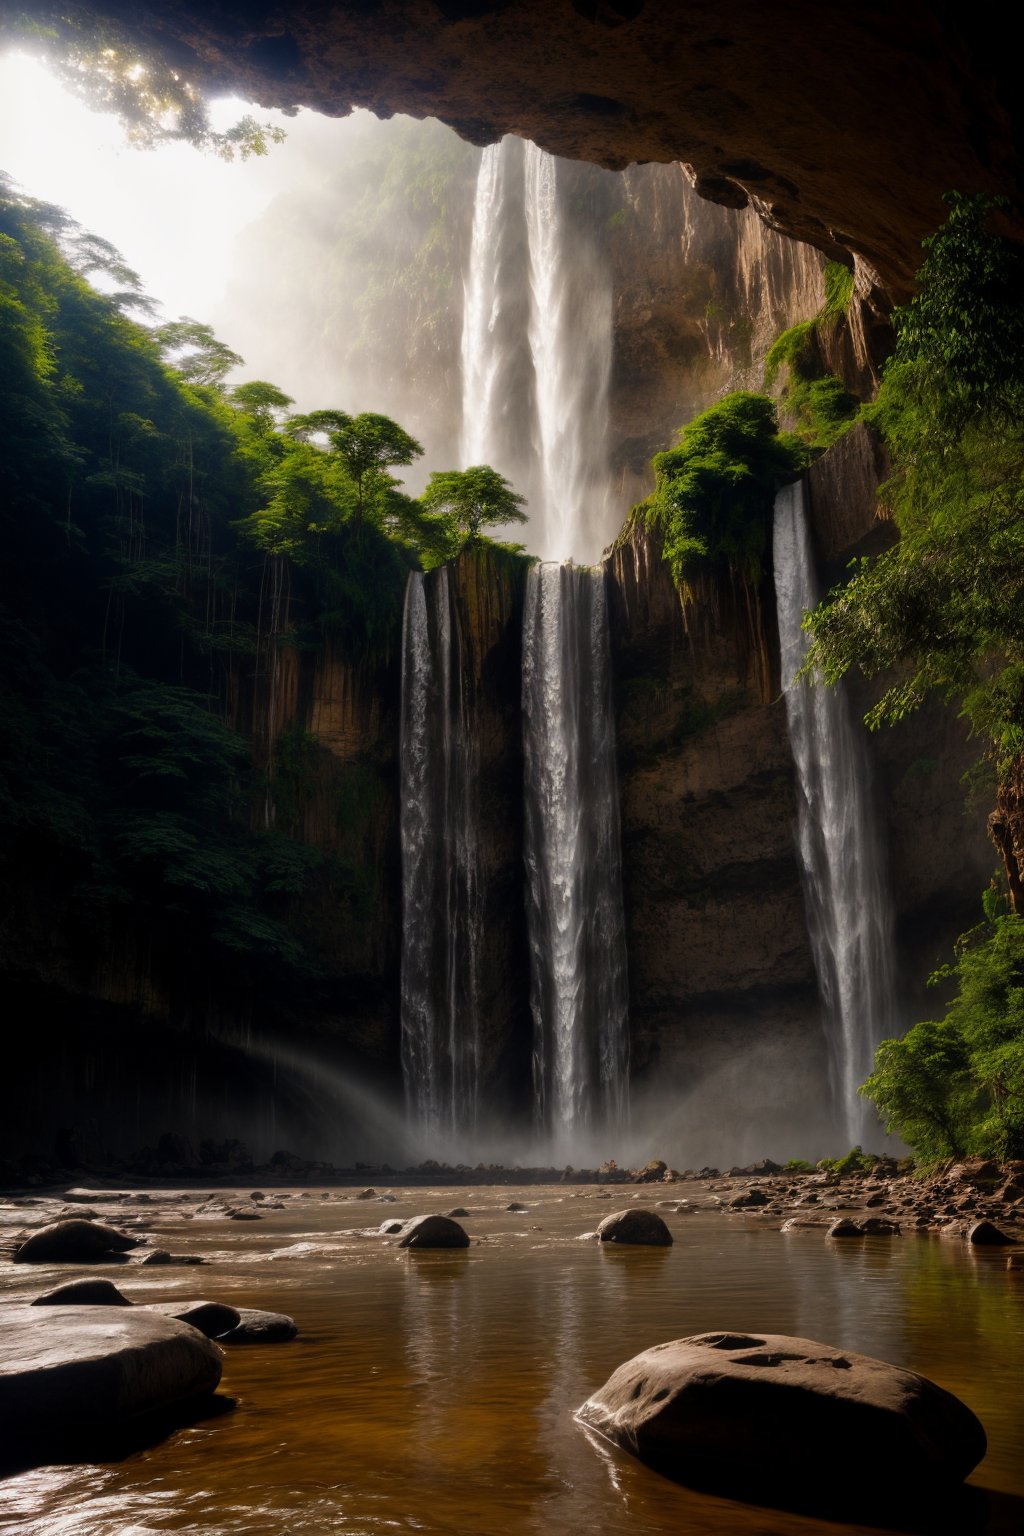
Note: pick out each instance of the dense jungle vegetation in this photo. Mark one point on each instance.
(165, 536)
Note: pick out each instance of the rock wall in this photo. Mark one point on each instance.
(728, 1050)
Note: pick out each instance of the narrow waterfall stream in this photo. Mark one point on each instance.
(578, 984)
(441, 897)
(849, 910)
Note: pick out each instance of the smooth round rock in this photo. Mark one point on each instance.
(210, 1318)
(69, 1374)
(256, 1327)
(985, 1234)
(433, 1232)
(391, 1228)
(83, 1293)
(844, 1227)
(637, 1227)
(72, 1242)
(766, 1414)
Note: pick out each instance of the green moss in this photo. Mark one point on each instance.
(838, 288)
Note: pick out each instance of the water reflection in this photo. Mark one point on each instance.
(435, 1391)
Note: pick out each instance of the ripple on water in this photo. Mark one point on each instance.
(434, 1392)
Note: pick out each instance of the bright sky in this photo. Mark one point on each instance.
(172, 212)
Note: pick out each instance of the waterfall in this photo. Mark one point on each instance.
(578, 986)
(571, 343)
(849, 911)
(537, 345)
(441, 890)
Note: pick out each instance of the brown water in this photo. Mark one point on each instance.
(435, 1392)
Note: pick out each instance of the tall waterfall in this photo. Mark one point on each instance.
(441, 893)
(849, 910)
(537, 346)
(578, 986)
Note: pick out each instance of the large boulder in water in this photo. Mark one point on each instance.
(83, 1293)
(70, 1375)
(637, 1227)
(433, 1232)
(765, 1416)
(73, 1242)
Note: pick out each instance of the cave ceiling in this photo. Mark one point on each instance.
(843, 125)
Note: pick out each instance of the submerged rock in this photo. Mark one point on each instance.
(984, 1234)
(256, 1327)
(210, 1318)
(72, 1242)
(844, 1227)
(637, 1227)
(391, 1228)
(161, 1256)
(83, 1293)
(433, 1232)
(70, 1374)
(747, 1199)
(763, 1415)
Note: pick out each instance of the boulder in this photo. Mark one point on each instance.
(210, 1318)
(516, 1208)
(73, 1242)
(651, 1172)
(433, 1232)
(255, 1327)
(881, 1226)
(83, 1293)
(391, 1228)
(637, 1227)
(763, 1416)
(844, 1227)
(244, 1213)
(457, 1210)
(984, 1234)
(748, 1198)
(70, 1375)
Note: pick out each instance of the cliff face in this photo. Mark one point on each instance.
(722, 981)
(701, 294)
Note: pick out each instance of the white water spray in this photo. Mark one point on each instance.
(849, 911)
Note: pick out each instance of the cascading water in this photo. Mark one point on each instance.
(536, 354)
(578, 985)
(571, 343)
(849, 911)
(441, 895)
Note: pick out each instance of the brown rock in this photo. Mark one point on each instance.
(68, 1374)
(986, 1235)
(764, 1415)
(636, 1227)
(72, 1242)
(844, 1227)
(83, 1293)
(433, 1232)
(256, 1327)
(210, 1318)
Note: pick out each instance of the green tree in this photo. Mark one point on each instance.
(368, 445)
(194, 352)
(465, 501)
(944, 607)
(956, 1086)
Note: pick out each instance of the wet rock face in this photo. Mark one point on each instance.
(718, 1409)
(843, 127)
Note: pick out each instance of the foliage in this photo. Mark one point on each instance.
(945, 603)
(462, 502)
(820, 404)
(156, 528)
(715, 491)
(153, 99)
(838, 288)
(854, 1161)
(955, 1086)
